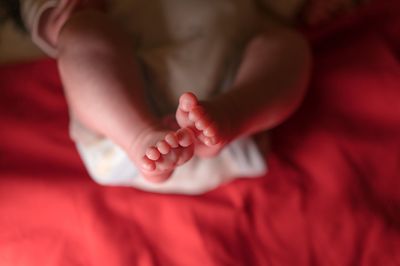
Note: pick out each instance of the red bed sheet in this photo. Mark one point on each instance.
(331, 197)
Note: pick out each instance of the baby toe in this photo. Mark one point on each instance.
(152, 153)
(187, 101)
(147, 164)
(202, 124)
(163, 147)
(168, 162)
(172, 140)
(196, 114)
(208, 141)
(210, 131)
(184, 137)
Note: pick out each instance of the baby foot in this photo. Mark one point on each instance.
(163, 152)
(193, 114)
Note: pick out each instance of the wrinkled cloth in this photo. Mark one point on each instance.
(331, 196)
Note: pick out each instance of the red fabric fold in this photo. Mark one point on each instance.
(332, 196)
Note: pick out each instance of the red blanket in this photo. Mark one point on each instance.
(332, 196)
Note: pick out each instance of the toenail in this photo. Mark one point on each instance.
(171, 140)
(163, 147)
(153, 154)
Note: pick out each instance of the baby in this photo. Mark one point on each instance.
(101, 68)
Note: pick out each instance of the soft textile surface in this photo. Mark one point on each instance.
(332, 196)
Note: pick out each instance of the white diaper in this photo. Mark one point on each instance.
(109, 165)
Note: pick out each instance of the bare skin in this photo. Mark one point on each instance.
(211, 135)
(269, 87)
(105, 92)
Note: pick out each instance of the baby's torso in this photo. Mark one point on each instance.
(160, 21)
(187, 45)
(182, 45)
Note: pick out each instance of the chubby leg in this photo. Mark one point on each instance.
(105, 92)
(269, 86)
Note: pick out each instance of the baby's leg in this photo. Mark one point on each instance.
(105, 92)
(269, 86)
